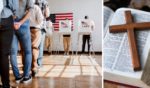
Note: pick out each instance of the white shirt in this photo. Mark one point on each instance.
(36, 17)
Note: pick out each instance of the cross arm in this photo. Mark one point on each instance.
(143, 25)
(118, 28)
(124, 27)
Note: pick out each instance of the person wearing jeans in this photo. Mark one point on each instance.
(45, 10)
(22, 35)
(41, 48)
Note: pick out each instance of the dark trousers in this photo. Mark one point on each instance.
(6, 35)
(86, 38)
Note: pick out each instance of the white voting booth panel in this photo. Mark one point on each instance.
(65, 26)
(84, 27)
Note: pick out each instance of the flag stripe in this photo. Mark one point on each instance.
(64, 13)
(63, 18)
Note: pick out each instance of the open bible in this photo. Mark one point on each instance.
(116, 54)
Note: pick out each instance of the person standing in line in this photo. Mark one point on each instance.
(43, 4)
(7, 12)
(22, 35)
(36, 20)
(87, 24)
(49, 33)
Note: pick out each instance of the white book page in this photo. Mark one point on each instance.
(117, 58)
(108, 14)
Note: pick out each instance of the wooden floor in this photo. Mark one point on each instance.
(59, 71)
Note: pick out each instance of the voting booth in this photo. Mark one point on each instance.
(65, 28)
(85, 27)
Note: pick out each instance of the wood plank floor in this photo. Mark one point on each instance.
(59, 71)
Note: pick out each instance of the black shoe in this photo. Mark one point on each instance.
(34, 73)
(18, 80)
(27, 79)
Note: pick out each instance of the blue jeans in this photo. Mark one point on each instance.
(23, 36)
(41, 47)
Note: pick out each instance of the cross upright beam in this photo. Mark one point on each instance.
(129, 27)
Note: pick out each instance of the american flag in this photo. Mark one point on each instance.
(55, 18)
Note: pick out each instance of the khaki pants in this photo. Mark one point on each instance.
(48, 43)
(36, 39)
(66, 41)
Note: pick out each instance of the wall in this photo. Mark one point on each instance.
(80, 8)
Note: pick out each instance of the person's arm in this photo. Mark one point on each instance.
(25, 17)
(18, 24)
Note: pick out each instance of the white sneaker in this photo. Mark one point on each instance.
(27, 80)
(18, 80)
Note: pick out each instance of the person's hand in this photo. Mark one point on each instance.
(17, 25)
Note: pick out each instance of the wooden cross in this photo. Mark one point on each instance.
(129, 27)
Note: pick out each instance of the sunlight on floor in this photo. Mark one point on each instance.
(67, 66)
